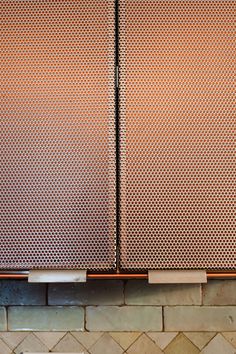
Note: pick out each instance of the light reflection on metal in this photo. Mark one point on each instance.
(210, 275)
(177, 134)
(57, 135)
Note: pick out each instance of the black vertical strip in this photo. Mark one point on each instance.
(117, 134)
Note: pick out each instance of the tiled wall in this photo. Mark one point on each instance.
(115, 317)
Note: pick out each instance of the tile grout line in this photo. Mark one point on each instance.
(6, 309)
(163, 319)
(85, 319)
(140, 334)
(60, 340)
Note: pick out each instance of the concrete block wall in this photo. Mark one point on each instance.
(100, 317)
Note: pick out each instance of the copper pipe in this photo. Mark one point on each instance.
(145, 276)
(117, 276)
(221, 275)
(13, 276)
(210, 275)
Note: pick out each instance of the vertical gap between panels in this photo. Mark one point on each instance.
(117, 134)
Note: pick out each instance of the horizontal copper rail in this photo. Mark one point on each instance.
(221, 275)
(210, 275)
(118, 276)
(13, 276)
(145, 275)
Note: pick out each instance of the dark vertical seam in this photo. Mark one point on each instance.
(117, 135)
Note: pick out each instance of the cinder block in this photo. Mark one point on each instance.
(200, 318)
(3, 319)
(138, 292)
(42, 318)
(94, 292)
(125, 318)
(20, 292)
(220, 292)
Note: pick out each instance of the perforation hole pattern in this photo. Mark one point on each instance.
(57, 134)
(177, 126)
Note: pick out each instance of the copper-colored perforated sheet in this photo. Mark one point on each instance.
(57, 134)
(177, 126)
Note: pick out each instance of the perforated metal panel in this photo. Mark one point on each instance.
(177, 126)
(57, 134)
